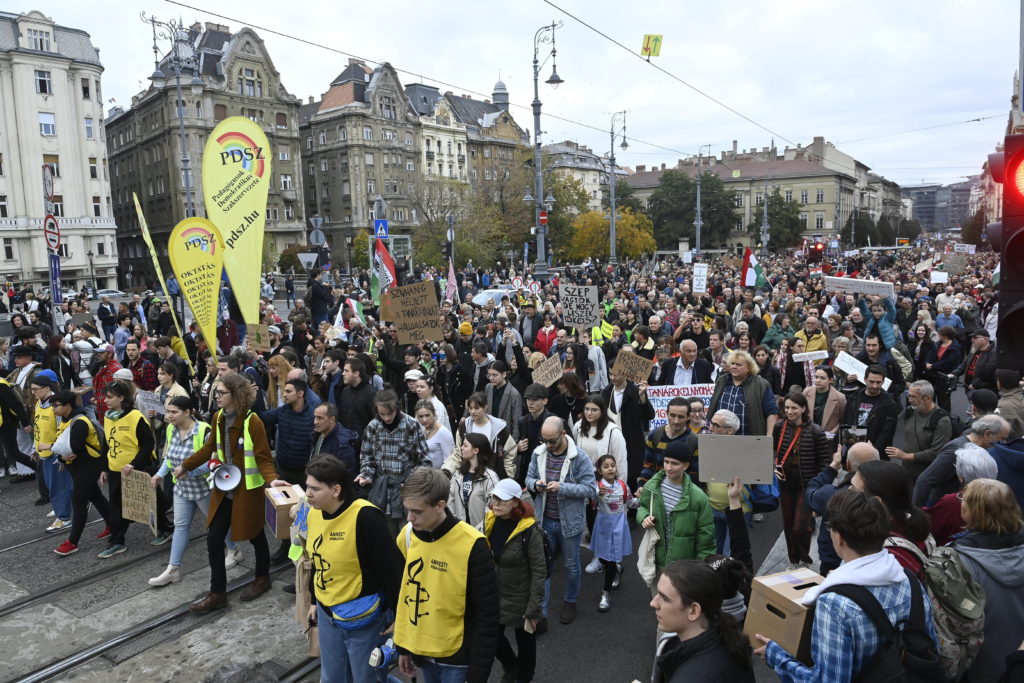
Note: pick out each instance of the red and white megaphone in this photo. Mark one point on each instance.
(226, 477)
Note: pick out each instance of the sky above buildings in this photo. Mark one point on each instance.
(868, 76)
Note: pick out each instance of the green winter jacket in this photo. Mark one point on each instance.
(692, 525)
(775, 334)
(521, 571)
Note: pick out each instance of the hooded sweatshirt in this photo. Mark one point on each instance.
(1009, 457)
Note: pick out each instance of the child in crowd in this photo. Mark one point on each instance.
(610, 539)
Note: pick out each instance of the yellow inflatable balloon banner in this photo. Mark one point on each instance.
(236, 180)
(196, 250)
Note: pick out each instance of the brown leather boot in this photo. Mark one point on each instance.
(257, 588)
(209, 603)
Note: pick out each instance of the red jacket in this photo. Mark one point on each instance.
(99, 383)
(946, 519)
(545, 339)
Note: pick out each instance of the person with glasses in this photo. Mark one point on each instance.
(972, 462)
(562, 481)
(698, 417)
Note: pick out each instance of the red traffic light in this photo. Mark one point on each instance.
(819, 246)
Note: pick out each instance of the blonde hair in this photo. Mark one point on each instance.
(992, 508)
(752, 367)
(536, 358)
(276, 384)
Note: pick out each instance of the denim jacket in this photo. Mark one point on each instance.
(576, 487)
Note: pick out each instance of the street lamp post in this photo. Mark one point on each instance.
(176, 32)
(92, 273)
(541, 267)
(613, 259)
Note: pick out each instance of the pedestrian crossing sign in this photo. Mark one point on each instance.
(380, 229)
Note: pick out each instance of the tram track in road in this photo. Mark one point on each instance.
(49, 535)
(62, 666)
(299, 672)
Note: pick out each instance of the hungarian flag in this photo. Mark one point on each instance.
(996, 275)
(451, 290)
(357, 310)
(382, 277)
(753, 274)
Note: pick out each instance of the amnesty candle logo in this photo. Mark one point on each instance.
(196, 251)
(418, 595)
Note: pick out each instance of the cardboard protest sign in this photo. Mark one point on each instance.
(548, 372)
(923, 266)
(146, 401)
(723, 457)
(260, 338)
(236, 179)
(849, 284)
(196, 251)
(416, 313)
(634, 367)
(700, 278)
(955, 263)
(851, 366)
(138, 499)
(581, 305)
(939, 277)
(659, 398)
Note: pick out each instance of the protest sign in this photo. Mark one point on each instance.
(939, 277)
(723, 457)
(416, 313)
(964, 248)
(955, 263)
(548, 372)
(82, 318)
(236, 179)
(923, 266)
(851, 366)
(687, 257)
(810, 355)
(635, 368)
(138, 499)
(580, 304)
(260, 338)
(700, 278)
(196, 251)
(146, 401)
(849, 284)
(659, 398)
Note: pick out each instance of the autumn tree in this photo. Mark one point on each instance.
(570, 202)
(634, 236)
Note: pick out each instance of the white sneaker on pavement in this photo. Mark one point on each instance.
(232, 558)
(170, 575)
(594, 567)
(51, 514)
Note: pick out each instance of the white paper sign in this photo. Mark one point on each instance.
(146, 401)
(849, 284)
(810, 355)
(852, 366)
(923, 266)
(660, 397)
(687, 257)
(940, 277)
(580, 304)
(700, 278)
(964, 248)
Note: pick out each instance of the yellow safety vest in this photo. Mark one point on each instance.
(44, 428)
(122, 438)
(430, 619)
(331, 546)
(253, 478)
(198, 439)
(92, 439)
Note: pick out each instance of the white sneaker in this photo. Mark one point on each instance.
(170, 575)
(58, 525)
(594, 567)
(232, 558)
(758, 517)
(51, 514)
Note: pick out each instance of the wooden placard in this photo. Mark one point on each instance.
(634, 367)
(260, 338)
(416, 313)
(581, 305)
(548, 372)
(138, 499)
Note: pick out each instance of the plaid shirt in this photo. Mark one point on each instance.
(393, 451)
(143, 374)
(193, 486)
(844, 639)
(733, 399)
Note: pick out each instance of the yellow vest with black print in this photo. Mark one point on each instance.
(44, 428)
(198, 439)
(122, 438)
(253, 478)
(92, 439)
(430, 620)
(331, 546)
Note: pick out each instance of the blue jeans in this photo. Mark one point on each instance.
(184, 509)
(58, 483)
(345, 655)
(722, 542)
(570, 549)
(442, 673)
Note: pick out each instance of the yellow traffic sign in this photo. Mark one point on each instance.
(652, 45)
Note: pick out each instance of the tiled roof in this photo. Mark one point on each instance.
(308, 111)
(470, 111)
(422, 98)
(780, 168)
(70, 42)
(340, 95)
(353, 72)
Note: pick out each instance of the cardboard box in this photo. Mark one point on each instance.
(776, 613)
(279, 503)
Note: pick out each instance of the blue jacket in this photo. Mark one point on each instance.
(819, 491)
(577, 486)
(1009, 458)
(293, 429)
(342, 443)
(886, 324)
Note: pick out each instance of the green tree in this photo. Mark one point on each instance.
(289, 259)
(785, 229)
(886, 231)
(624, 198)
(570, 201)
(911, 229)
(974, 229)
(672, 209)
(866, 232)
(269, 253)
(361, 249)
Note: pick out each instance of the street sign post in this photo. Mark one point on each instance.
(317, 237)
(55, 294)
(543, 217)
(380, 229)
(51, 231)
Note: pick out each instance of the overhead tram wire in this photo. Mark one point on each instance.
(918, 130)
(415, 74)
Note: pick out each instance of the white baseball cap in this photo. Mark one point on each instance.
(507, 489)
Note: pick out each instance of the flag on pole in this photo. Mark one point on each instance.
(753, 274)
(451, 290)
(995, 275)
(357, 310)
(383, 276)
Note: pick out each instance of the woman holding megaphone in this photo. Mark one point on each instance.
(184, 436)
(239, 439)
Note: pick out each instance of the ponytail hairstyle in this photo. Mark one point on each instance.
(697, 582)
(733, 574)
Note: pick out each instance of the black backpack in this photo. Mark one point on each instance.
(549, 553)
(907, 653)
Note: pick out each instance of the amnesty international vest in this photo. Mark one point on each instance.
(432, 602)
(331, 546)
(92, 440)
(122, 439)
(44, 427)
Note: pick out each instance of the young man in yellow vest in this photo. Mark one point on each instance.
(44, 433)
(447, 618)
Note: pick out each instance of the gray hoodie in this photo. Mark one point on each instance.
(997, 563)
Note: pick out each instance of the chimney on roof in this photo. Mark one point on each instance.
(449, 92)
(352, 60)
(663, 167)
(311, 99)
(764, 149)
(734, 149)
(641, 168)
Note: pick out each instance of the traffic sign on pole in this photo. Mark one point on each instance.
(51, 231)
(380, 229)
(55, 293)
(543, 217)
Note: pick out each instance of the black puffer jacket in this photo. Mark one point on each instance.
(699, 660)
(519, 560)
(812, 452)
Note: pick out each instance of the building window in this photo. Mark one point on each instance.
(410, 165)
(199, 109)
(8, 248)
(101, 248)
(97, 207)
(819, 196)
(1, 164)
(47, 124)
(368, 159)
(286, 181)
(53, 161)
(312, 194)
(312, 168)
(89, 130)
(93, 170)
(788, 195)
(803, 220)
(342, 133)
(44, 86)
(326, 190)
(346, 188)
(309, 142)
(759, 199)
(737, 200)
(367, 133)
(39, 40)
(289, 211)
(249, 83)
(322, 138)
(220, 112)
(323, 165)
(86, 90)
(387, 108)
(803, 196)
(3, 206)
(272, 212)
(282, 120)
(487, 152)
(371, 185)
(58, 205)
(819, 221)
(284, 154)
(408, 138)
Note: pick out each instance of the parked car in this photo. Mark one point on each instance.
(480, 298)
(112, 293)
